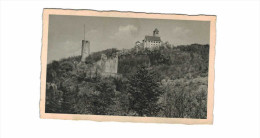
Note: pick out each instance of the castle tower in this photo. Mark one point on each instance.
(116, 62)
(156, 32)
(85, 51)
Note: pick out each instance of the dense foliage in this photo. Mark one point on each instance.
(163, 82)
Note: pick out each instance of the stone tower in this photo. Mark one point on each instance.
(85, 51)
(156, 32)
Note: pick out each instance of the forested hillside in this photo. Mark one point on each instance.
(163, 82)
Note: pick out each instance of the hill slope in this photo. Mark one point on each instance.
(178, 74)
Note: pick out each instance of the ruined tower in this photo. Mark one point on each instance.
(85, 50)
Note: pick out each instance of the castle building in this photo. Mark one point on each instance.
(152, 41)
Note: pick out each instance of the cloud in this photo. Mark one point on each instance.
(125, 31)
(181, 32)
(93, 31)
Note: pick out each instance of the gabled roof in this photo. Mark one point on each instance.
(156, 30)
(152, 38)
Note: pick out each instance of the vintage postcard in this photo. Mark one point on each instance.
(127, 67)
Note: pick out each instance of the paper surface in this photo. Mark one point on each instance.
(210, 95)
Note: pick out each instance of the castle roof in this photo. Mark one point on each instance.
(152, 38)
(156, 30)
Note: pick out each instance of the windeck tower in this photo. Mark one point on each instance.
(85, 51)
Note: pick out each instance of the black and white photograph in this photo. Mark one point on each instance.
(134, 67)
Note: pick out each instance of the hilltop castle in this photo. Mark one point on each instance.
(109, 66)
(149, 41)
(152, 41)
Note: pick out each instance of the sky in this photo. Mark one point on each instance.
(66, 33)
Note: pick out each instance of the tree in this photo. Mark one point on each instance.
(52, 70)
(69, 99)
(185, 101)
(53, 100)
(97, 100)
(144, 92)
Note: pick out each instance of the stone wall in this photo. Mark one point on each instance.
(108, 65)
(105, 67)
(151, 44)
